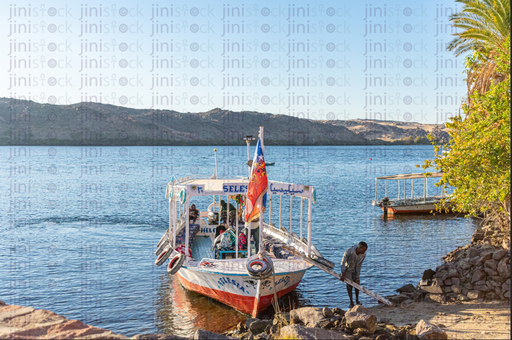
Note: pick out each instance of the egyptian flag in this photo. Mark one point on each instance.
(258, 184)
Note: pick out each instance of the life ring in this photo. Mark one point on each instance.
(264, 266)
(175, 264)
(211, 206)
(161, 247)
(163, 239)
(183, 196)
(163, 257)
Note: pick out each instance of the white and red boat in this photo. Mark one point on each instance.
(406, 203)
(236, 277)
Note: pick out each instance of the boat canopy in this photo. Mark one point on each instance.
(208, 187)
(412, 176)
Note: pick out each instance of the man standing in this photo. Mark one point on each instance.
(351, 267)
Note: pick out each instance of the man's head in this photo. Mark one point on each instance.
(361, 248)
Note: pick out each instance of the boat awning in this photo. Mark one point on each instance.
(209, 187)
(413, 176)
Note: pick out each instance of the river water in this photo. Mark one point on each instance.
(79, 227)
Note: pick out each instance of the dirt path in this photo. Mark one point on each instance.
(464, 320)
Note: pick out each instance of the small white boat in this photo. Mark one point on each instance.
(404, 204)
(234, 276)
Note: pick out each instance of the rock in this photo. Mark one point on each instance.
(327, 312)
(409, 288)
(425, 330)
(2, 303)
(425, 283)
(447, 282)
(282, 319)
(486, 255)
(435, 288)
(200, 334)
(363, 332)
(407, 303)
(360, 317)
(309, 316)
(498, 278)
(474, 251)
(397, 299)
(327, 324)
(478, 275)
(151, 336)
(441, 273)
(456, 289)
(464, 264)
(257, 326)
(384, 320)
(301, 332)
(490, 272)
(451, 273)
(505, 287)
(475, 294)
(462, 297)
(492, 264)
(468, 285)
(503, 268)
(477, 236)
(435, 298)
(455, 281)
(428, 274)
(506, 243)
(381, 337)
(338, 311)
(447, 289)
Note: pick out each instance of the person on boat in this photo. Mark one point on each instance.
(224, 212)
(351, 267)
(255, 233)
(193, 213)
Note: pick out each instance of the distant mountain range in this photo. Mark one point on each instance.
(24, 122)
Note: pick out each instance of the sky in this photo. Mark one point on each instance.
(320, 60)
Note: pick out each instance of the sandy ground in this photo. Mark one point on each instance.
(464, 320)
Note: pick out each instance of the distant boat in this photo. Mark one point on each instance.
(270, 163)
(409, 204)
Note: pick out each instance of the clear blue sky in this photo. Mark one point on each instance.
(318, 60)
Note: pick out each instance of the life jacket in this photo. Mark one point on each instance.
(242, 241)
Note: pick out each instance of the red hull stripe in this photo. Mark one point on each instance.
(395, 211)
(244, 304)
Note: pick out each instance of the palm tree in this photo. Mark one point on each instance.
(486, 25)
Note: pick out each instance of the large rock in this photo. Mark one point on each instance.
(360, 317)
(435, 298)
(309, 316)
(327, 312)
(464, 264)
(409, 288)
(434, 288)
(478, 275)
(455, 281)
(503, 267)
(257, 326)
(475, 294)
(428, 274)
(282, 319)
(425, 330)
(200, 335)
(492, 264)
(301, 332)
(498, 255)
(490, 272)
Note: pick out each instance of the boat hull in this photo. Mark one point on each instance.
(413, 209)
(239, 291)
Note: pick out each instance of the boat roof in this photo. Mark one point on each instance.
(413, 176)
(197, 186)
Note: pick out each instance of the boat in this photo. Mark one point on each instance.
(410, 204)
(270, 163)
(247, 279)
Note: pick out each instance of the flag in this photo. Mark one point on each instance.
(258, 185)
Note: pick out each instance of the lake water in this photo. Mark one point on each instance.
(79, 227)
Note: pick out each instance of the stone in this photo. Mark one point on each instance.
(282, 319)
(490, 272)
(462, 297)
(301, 332)
(381, 337)
(498, 278)
(327, 312)
(425, 283)
(200, 334)
(506, 243)
(452, 273)
(505, 287)
(474, 251)
(477, 236)
(483, 288)
(257, 326)
(478, 275)
(492, 264)
(407, 302)
(456, 289)
(363, 332)
(464, 264)
(384, 320)
(447, 282)
(309, 316)
(475, 294)
(435, 288)
(425, 330)
(435, 298)
(468, 285)
(397, 299)
(486, 255)
(428, 274)
(507, 295)
(2, 303)
(447, 289)
(360, 317)
(338, 311)
(158, 336)
(503, 268)
(455, 281)
(409, 288)
(441, 273)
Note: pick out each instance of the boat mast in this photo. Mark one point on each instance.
(261, 203)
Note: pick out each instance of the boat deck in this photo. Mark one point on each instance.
(202, 248)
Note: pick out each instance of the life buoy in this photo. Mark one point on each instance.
(211, 206)
(183, 196)
(175, 264)
(161, 247)
(163, 256)
(259, 267)
(164, 237)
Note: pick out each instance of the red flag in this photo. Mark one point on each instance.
(258, 184)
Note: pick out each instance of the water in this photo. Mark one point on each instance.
(79, 227)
